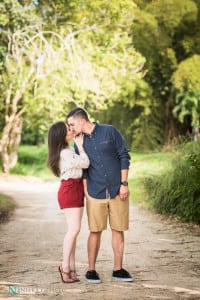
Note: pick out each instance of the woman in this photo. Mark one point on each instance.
(67, 165)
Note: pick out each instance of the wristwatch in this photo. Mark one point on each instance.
(125, 183)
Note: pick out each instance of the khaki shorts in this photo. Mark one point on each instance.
(99, 210)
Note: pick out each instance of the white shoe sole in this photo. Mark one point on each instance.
(93, 281)
(123, 279)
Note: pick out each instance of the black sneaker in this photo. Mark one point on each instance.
(92, 277)
(122, 275)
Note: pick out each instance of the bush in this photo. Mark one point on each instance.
(32, 162)
(177, 192)
(32, 154)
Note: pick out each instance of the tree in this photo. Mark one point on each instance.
(187, 83)
(172, 36)
(78, 53)
(45, 71)
(12, 18)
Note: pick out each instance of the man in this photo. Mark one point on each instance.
(106, 189)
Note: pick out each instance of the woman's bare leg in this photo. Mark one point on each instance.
(73, 218)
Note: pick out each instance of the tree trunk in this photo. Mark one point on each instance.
(10, 141)
(196, 133)
(172, 130)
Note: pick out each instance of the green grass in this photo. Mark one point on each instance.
(32, 162)
(144, 165)
(149, 163)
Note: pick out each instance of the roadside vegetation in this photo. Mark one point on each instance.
(145, 165)
(7, 206)
(32, 162)
(177, 191)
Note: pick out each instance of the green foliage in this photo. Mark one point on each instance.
(173, 36)
(77, 62)
(13, 17)
(170, 14)
(32, 155)
(186, 77)
(177, 192)
(188, 104)
(148, 131)
(187, 81)
(111, 14)
(140, 130)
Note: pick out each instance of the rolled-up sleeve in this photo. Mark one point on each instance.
(122, 151)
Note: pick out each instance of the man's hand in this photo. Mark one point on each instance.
(123, 192)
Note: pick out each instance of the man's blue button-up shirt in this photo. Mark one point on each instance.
(108, 155)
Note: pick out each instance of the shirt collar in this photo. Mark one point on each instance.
(93, 133)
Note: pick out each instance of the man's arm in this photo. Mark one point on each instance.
(124, 175)
(124, 158)
(124, 192)
(122, 151)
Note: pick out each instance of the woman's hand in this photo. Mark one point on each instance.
(79, 141)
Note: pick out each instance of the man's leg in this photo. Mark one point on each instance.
(93, 249)
(118, 248)
(94, 240)
(119, 216)
(97, 211)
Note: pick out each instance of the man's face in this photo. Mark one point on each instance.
(75, 125)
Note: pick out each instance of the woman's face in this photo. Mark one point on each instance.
(69, 135)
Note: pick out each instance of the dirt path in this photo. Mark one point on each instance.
(163, 255)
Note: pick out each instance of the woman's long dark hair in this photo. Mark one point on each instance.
(56, 142)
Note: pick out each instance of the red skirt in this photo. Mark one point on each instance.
(71, 193)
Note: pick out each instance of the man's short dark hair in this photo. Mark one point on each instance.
(78, 112)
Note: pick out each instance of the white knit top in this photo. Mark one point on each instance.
(71, 164)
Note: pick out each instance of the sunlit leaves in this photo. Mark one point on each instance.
(187, 82)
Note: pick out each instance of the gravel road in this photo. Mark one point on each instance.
(162, 254)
